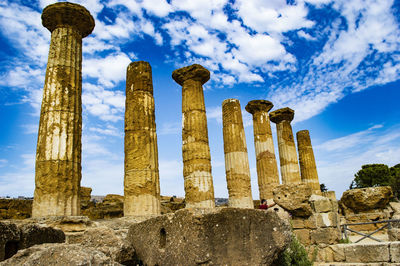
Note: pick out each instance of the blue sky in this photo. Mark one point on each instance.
(336, 63)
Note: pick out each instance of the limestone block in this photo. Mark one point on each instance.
(329, 194)
(371, 252)
(328, 219)
(311, 222)
(395, 207)
(294, 199)
(332, 253)
(394, 234)
(59, 254)
(297, 223)
(329, 235)
(320, 203)
(303, 235)
(222, 236)
(32, 234)
(394, 249)
(364, 199)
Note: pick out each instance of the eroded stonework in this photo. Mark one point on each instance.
(236, 159)
(58, 155)
(290, 170)
(308, 167)
(199, 189)
(141, 181)
(267, 167)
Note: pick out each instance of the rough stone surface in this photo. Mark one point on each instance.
(141, 181)
(303, 235)
(294, 198)
(267, 168)
(104, 239)
(290, 170)
(32, 234)
(371, 252)
(85, 196)
(308, 168)
(332, 253)
(394, 234)
(363, 199)
(199, 188)
(395, 207)
(394, 250)
(236, 159)
(226, 236)
(328, 235)
(58, 154)
(14, 237)
(9, 238)
(15, 208)
(59, 254)
(322, 204)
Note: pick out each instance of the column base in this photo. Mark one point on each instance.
(201, 204)
(141, 205)
(244, 203)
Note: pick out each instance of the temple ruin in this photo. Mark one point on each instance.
(141, 180)
(290, 170)
(199, 188)
(267, 167)
(58, 155)
(236, 159)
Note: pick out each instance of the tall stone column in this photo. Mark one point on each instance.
(308, 167)
(236, 159)
(267, 167)
(199, 187)
(58, 154)
(141, 180)
(290, 170)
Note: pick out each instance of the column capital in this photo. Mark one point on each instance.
(194, 72)
(303, 133)
(65, 13)
(282, 114)
(258, 105)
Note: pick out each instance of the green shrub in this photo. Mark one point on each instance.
(294, 255)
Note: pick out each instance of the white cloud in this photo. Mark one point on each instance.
(160, 8)
(344, 156)
(170, 128)
(108, 130)
(108, 70)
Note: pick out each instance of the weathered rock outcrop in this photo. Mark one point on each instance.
(364, 199)
(14, 237)
(15, 208)
(226, 236)
(105, 239)
(59, 254)
(294, 198)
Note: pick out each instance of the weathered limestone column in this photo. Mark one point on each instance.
(308, 167)
(58, 154)
(290, 170)
(267, 167)
(236, 159)
(199, 187)
(141, 180)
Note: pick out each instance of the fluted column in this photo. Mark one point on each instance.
(199, 187)
(290, 170)
(236, 159)
(141, 179)
(308, 168)
(267, 167)
(58, 155)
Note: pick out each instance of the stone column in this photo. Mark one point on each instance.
(141, 180)
(58, 155)
(267, 167)
(236, 159)
(290, 170)
(308, 167)
(199, 187)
